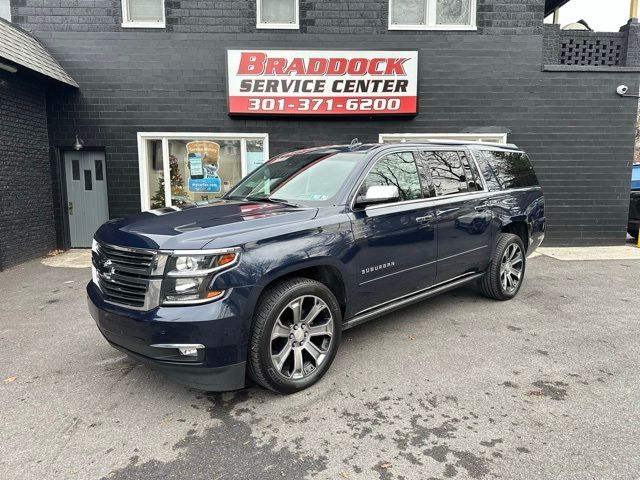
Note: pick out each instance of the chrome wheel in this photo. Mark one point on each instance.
(511, 267)
(301, 337)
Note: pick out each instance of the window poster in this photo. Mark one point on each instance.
(203, 161)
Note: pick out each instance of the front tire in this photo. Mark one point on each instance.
(295, 335)
(503, 278)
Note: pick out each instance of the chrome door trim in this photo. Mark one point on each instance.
(463, 253)
(438, 201)
(398, 272)
(420, 266)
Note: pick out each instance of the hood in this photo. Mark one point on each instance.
(175, 228)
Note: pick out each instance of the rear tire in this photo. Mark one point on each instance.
(505, 274)
(295, 335)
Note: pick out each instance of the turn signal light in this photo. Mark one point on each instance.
(226, 258)
(213, 293)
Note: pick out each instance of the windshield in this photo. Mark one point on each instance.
(303, 179)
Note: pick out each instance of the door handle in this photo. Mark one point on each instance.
(482, 207)
(70, 208)
(426, 219)
(447, 210)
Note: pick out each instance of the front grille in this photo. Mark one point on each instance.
(123, 274)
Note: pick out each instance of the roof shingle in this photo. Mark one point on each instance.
(21, 48)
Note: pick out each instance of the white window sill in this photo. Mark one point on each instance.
(468, 28)
(278, 26)
(143, 25)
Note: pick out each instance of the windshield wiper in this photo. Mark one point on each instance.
(280, 201)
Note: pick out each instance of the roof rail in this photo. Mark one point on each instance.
(355, 143)
(512, 146)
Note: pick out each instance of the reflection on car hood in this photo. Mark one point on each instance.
(194, 227)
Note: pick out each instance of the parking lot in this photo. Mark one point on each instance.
(542, 387)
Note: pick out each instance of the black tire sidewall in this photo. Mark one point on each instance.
(277, 381)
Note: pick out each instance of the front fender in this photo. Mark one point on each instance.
(267, 260)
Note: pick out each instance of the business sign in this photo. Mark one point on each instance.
(322, 82)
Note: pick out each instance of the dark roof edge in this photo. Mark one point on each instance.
(69, 81)
(551, 5)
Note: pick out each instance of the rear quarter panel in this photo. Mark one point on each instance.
(521, 205)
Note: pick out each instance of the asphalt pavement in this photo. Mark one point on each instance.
(545, 386)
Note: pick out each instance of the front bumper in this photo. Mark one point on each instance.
(221, 327)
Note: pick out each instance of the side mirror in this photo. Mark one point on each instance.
(378, 194)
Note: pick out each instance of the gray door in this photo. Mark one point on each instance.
(86, 195)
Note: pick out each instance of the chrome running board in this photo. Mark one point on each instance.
(408, 300)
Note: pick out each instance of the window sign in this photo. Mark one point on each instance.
(322, 82)
(203, 163)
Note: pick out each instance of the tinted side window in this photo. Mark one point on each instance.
(397, 169)
(487, 171)
(524, 170)
(447, 172)
(513, 170)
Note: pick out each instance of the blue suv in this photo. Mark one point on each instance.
(262, 282)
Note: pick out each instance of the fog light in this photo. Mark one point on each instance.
(184, 349)
(188, 351)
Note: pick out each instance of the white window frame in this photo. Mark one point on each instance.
(164, 137)
(278, 26)
(8, 19)
(464, 137)
(430, 13)
(126, 23)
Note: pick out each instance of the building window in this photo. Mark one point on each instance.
(277, 14)
(143, 14)
(5, 9)
(432, 14)
(201, 167)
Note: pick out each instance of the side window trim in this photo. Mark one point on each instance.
(475, 169)
(469, 165)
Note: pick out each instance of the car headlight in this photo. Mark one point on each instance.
(188, 277)
(94, 270)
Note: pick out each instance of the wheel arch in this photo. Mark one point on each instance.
(518, 227)
(325, 270)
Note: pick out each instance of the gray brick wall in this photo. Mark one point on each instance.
(551, 44)
(631, 53)
(579, 133)
(26, 207)
(239, 16)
